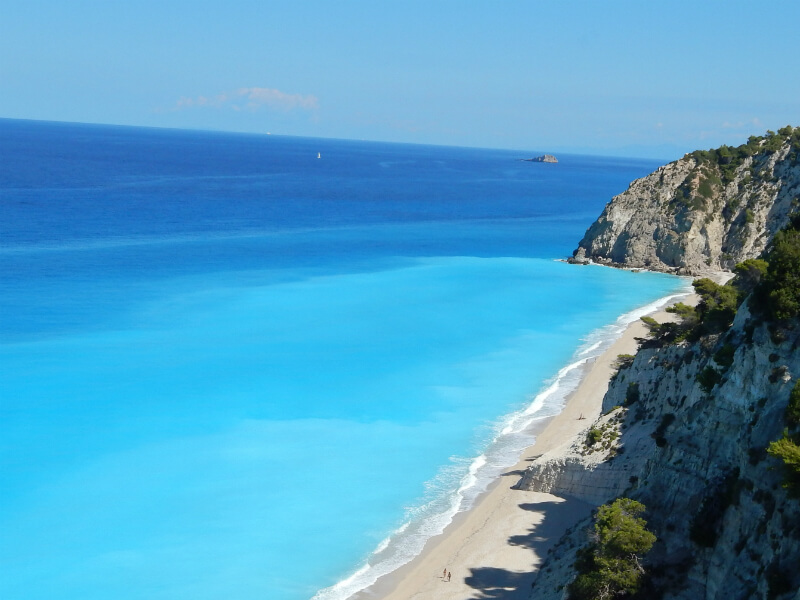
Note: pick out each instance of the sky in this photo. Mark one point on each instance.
(639, 78)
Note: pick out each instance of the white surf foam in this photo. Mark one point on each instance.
(458, 485)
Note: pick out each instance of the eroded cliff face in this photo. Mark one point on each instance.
(685, 426)
(706, 211)
(696, 458)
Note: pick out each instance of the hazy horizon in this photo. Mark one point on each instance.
(610, 79)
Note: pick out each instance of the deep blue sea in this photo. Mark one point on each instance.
(230, 369)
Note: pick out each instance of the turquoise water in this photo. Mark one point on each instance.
(230, 369)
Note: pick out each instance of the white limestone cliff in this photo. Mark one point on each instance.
(696, 214)
(726, 528)
(693, 450)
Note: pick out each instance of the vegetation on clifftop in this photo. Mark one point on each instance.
(729, 158)
(714, 313)
(717, 167)
(708, 210)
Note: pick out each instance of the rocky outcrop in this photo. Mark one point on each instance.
(696, 458)
(708, 210)
(686, 425)
(583, 469)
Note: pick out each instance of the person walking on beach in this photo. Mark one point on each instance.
(448, 576)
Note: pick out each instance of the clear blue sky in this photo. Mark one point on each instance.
(637, 78)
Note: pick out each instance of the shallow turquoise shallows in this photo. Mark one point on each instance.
(231, 369)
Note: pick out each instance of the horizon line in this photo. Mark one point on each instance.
(335, 138)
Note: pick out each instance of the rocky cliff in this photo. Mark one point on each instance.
(696, 458)
(687, 422)
(709, 210)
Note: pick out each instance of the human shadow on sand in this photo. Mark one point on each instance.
(493, 582)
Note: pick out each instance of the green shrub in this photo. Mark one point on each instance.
(653, 327)
(717, 306)
(783, 275)
(667, 419)
(793, 408)
(724, 356)
(594, 436)
(662, 334)
(623, 361)
(684, 311)
(650, 323)
(788, 451)
(610, 566)
(705, 189)
(773, 142)
(727, 159)
(632, 394)
(749, 274)
(685, 327)
(708, 378)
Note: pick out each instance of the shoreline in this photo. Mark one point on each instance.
(498, 544)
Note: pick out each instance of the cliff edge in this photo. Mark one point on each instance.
(707, 211)
(694, 453)
(693, 423)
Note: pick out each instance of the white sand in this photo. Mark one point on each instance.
(496, 547)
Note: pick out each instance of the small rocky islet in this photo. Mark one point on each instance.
(545, 158)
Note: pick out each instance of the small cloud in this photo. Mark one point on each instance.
(737, 125)
(276, 99)
(755, 122)
(252, 99)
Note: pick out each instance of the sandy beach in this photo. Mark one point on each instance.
(494, 549)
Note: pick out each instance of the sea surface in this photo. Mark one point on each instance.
(230, 369)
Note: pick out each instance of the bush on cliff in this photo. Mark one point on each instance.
(749, 274)
(708, 378)
(717, 306)
(632, 394)
(782, 281)
(788, 450)
(687, 314)
(793, 408)
(776, 297)
(610, 566)
(728, 158)
(714, 314)
(594, 436)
